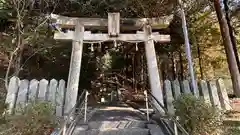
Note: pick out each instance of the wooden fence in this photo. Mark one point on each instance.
(24, 91)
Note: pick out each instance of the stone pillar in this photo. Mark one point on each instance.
(153, 67)
(75, 66)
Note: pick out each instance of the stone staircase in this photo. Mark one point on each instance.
(118, 121)
(118, 128)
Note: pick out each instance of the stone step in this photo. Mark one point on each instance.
(114, 131)
(155, 129)
(110, 127)
(116, 124)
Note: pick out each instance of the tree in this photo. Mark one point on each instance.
(26, 23)
(232, 63)
(231, 32)
(40, 47)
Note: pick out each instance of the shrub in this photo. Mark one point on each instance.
(196, 116)
(33, 119)
(3, 107)
(233, 129)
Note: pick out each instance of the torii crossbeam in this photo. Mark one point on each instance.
(79, 35)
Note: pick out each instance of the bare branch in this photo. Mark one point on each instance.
(9, 66)
(20, 7)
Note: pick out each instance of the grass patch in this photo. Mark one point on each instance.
(36, 118)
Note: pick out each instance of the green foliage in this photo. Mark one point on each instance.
(37, 118)
(196, 116)
(232, 130)
(3, 107)
(117, 60)
(4, 11)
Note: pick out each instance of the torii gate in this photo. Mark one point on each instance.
(79, 35)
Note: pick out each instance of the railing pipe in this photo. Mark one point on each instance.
(64, 129)
(146, 99)
(85, 107)
(175, 127)
(173, 119)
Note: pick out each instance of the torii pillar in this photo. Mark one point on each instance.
(75, 67)
(152, 65)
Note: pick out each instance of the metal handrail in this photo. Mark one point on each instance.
(83, 106)
(146, 100)
(64, 129)
(176, 123)
(72, 125)
(166, 125)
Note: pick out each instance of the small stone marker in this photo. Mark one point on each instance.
(22, 93)
(223, 96)
(60, 98)
(195, 91)
(204, 92)
(169, 97)
(43, 89)
(33, 90)
(52, 91)
(176, 89)
(12, 93)
(214, 94)
(186, 87)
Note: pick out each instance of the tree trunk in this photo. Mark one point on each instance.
(173, 65)
(133, 71)
(18, 64)
(200, 61)
(231, 32)
(232, 63)
(181, 65)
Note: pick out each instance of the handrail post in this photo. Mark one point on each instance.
(112, 96)
(175, 127)
(64, 130)
(146, 99)
(85, 107)
(175, 120)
